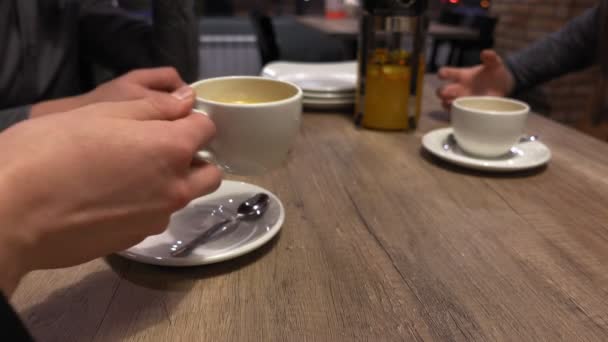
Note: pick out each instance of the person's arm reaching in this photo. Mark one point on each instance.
(572, 48)
(135, 160)
(490, 78)
(112, 38)
(131, 86)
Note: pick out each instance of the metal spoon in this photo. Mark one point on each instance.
(528, 138)
(251, 209)
(450, 142)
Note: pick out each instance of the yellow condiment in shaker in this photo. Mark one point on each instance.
(391, 64)
(387, 92)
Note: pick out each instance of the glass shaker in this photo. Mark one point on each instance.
(391, 64)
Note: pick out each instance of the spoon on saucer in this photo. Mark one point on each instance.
(450, 142)
(249, 210)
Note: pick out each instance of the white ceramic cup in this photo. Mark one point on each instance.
(488, 126)
(257, 120)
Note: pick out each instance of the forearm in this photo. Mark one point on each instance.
(58, 105)
(570, 49)
(12, 235)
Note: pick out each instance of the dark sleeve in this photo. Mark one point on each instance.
(116, 40)
(11, 116)
(12, 327)
(572, 48)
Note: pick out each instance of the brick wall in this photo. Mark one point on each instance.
(522, 22)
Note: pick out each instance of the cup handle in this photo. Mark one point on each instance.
(205, 156)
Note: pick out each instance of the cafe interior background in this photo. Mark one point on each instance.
(229, 42)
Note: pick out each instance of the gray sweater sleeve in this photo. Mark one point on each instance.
(11, 116)
(123, 43)
(572, 48)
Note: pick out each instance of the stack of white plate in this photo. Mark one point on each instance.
(325, 85)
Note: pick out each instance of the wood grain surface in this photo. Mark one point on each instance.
(382, 242)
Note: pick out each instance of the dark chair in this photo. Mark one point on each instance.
(486, 26)
(214, 8)
(458, 47)
(266, 37)
(448, 17)
(286, 39)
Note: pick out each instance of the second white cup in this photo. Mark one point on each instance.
(488, 126)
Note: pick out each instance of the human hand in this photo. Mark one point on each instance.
(134, 85)
(97, 180)
(492, 77)
(137, 84)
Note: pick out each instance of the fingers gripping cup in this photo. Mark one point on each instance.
(257, 120)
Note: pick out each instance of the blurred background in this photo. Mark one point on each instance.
(230, 41)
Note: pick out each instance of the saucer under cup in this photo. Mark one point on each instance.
(202, 213)
(522, 156)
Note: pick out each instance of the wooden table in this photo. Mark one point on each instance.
(349, 28)
(381, 243)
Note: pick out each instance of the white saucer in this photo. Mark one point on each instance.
(327, 104)
(322, 82)
(526, 155)
(316, 77)
(328, 96)
(201, 214)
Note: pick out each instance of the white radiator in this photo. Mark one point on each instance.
(226, 54)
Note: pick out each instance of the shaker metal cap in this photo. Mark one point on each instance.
(395, 7)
